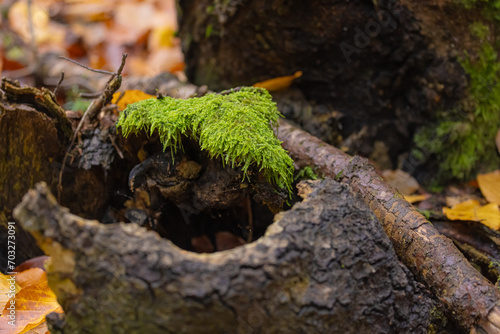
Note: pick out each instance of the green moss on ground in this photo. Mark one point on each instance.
(237, 127)
(463, 139)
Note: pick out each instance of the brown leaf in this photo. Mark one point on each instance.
(226, 240)
(36, 262)
(402, 181)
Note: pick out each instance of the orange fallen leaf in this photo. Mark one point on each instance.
(416, 198)
(278, 83)
(30, 276)
(130, 96)
(471, 210)
(32, 303)
(490, 186)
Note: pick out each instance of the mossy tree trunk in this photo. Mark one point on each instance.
(373, 71)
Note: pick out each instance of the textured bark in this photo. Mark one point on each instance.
(34, 132)
(323, 267)
(33, 129)
(431, 256)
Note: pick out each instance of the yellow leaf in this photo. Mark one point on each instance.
(130, 96)
(278, 83)
(32, 303)
(416, 198)
(471, 210)
(490, 186)
(161, 37)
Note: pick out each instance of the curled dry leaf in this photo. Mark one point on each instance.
(490, 186)
(278, 83)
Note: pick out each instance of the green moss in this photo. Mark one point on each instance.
(491, 8)
(208, 31)
(306, 173)
(238, 127)
(463, 139)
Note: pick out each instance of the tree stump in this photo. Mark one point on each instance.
(324, 266)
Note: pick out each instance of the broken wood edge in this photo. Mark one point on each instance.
(89, 258)
(470, 299)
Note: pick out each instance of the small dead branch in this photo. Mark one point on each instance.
(59, 84)
(95, 106)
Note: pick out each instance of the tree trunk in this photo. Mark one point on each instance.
(373, 71)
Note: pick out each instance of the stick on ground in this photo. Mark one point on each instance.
(471, 299)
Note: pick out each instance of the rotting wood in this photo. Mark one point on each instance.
(325, 266)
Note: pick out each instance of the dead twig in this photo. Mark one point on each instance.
(93, 109)
(59, 84)
(88, 68)
(470, 298)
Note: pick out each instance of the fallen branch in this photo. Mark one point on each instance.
(471, 300)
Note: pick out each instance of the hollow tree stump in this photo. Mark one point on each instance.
(324, 266)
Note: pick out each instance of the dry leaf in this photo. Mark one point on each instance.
(40, 329)
(32, 304)
(5, 284)
(226, 240)
(402, 181)
(471, 210)
(30, 276)
(161, 37)
(130, 96)
(416, 198)
(497, 141)
(36, 262)
(278, 83)
(490, 186)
